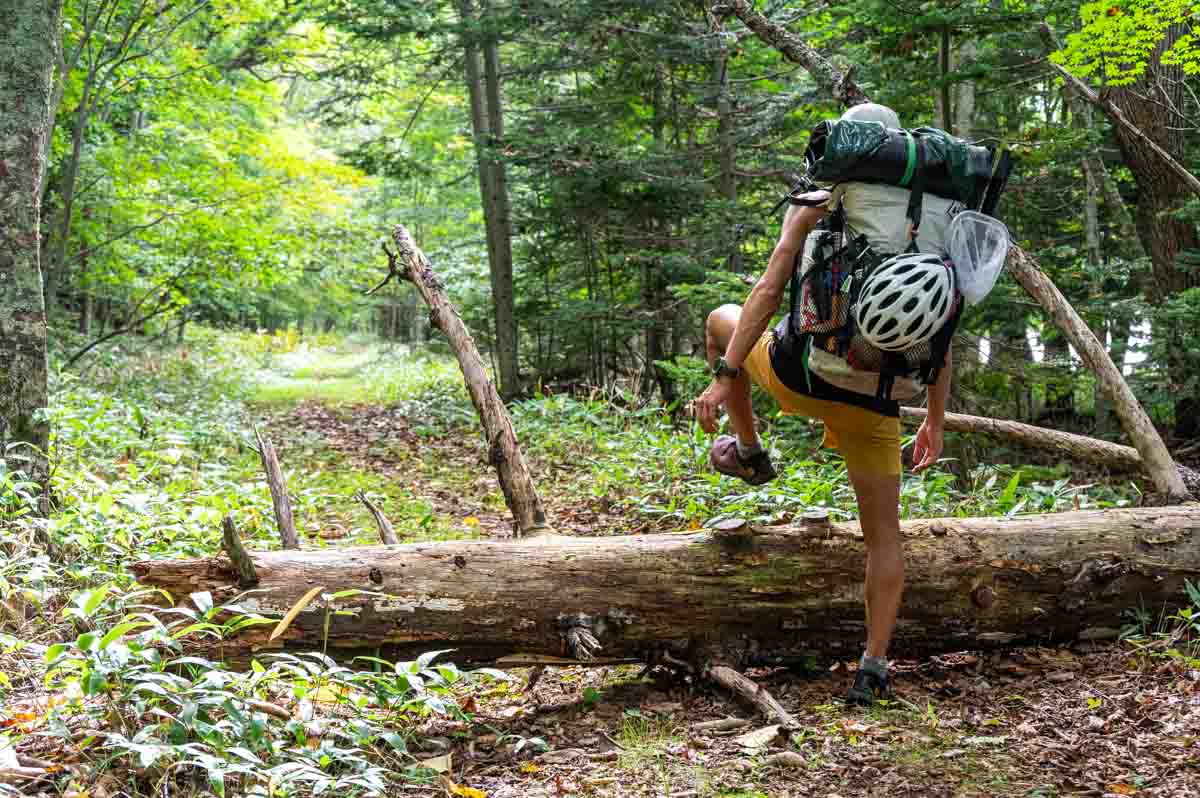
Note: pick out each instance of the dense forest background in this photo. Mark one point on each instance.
(237, 164)
(589, 178)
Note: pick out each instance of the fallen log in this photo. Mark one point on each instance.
(1075, 447)
(775, 595)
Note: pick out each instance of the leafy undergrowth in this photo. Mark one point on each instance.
(603, 464)
(100, 697)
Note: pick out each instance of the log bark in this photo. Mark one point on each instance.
(1076, 447)
(779, 596)
(503, 452)
(1137, 425)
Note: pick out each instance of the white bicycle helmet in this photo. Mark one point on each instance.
(905, 301)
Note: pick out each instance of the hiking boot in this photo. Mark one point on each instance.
(868, 688)
(755, 469)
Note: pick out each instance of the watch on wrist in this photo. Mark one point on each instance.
(723, 369)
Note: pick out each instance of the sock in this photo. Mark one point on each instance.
(748, 450)
(875, 665)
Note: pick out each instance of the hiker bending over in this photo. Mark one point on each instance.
(909, 306)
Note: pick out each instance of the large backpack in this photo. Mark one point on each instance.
(823, 296)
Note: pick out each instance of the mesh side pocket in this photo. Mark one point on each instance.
(865, 357)
(823, 306)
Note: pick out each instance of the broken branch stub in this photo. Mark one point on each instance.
(387, 533)
(503, 451)
(232, 544)
(279, 496)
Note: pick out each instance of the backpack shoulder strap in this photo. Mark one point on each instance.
(916, 194)
(939, 346)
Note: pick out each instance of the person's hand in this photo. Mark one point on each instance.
(709, 403)
(927, 448)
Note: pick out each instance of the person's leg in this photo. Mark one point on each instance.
(870, 442)
(879, 514)
(718, 330)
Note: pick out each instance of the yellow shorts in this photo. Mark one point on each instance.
(869, 441)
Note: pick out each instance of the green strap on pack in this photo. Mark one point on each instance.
(911, 167)
(804, 362)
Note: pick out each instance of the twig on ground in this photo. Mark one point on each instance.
(755, 694)
(724, 724)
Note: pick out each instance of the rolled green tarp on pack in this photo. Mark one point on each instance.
(841, 151)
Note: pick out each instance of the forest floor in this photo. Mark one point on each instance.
(1099, 720)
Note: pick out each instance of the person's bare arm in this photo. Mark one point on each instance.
(768, 291)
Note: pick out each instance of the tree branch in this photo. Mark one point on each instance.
(1118, 118)
(837, 84)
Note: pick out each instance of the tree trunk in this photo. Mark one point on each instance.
(86, 305)
(486, 117)
(943, 112)
(56, 261)
(28, 51)
(503, 298)
(768, 595)
(503, 451)
(727, 154)
(964, 93)
(1059, 407)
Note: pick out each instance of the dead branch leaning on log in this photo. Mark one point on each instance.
(279, 495)
(503, 450)
(1076, 447)
(387, 533)
(1157, 461)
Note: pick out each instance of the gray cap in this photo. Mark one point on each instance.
(873, 112)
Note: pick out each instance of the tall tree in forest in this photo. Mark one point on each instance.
(27, 55)
(487, 119)
(1145, 51)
